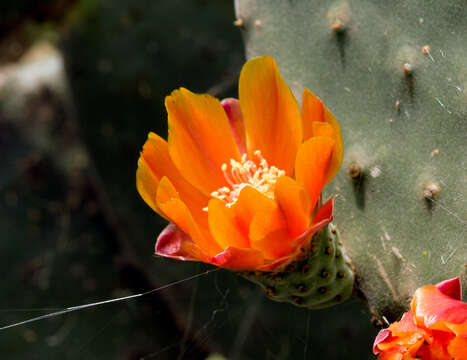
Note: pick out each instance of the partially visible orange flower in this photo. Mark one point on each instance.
(241, 180)
(434, 329)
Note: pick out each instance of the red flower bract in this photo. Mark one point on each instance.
(434, 329)
(241, 180)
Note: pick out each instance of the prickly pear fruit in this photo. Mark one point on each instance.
(323, 276)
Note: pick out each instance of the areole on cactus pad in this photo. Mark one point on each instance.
(241, 181)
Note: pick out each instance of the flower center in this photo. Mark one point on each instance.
(258, 175)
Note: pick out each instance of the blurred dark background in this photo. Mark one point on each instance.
(82, 82)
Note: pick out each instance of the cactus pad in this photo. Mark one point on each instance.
(394, 75)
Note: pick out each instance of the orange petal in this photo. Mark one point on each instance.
(402, 337)
(338, 151)
(405, 325)
(261, 218)
(197, 125)
(269, 234)
(314, 111)
(271, 114)
(168, 200)
(432, 308)
(174, 243)
(406, 333)
(457, 348)
(166, 192)
(322, 218)
(234, 113)
(294, 203)
(457, 329)
(391, 355)
(408, 345)
(273, 244)
(224, 227)
(238, 259)
(251, 202)
(322, 129)
(436, 350)
(312, 165)
(154, 163)
(146, 183)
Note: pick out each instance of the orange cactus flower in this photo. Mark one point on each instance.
(241, 180)
(434, 329)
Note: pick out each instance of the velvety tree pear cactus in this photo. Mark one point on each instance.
(394, 74)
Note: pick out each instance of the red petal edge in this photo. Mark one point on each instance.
(451, 288)
(169, 244)
(234, 113)
(322, 217)
(382, 335)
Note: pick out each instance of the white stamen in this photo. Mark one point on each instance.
(248, 173)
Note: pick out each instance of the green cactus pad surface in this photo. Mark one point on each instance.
(394, 75)
(321, 278)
